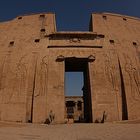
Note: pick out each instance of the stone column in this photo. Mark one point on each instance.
(76, 110)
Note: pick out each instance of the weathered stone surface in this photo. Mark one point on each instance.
(34, 58)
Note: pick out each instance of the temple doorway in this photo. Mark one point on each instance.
(78, 108)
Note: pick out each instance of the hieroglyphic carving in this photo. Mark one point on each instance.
(134, 76)
(72, 52)
(74, 40)
(137, 52)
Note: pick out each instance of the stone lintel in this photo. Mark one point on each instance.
(76, 35)
(89, 58)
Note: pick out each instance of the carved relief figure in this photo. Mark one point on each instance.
(110, 71)
(43, 76)
(21, 74)
(134, 76)
(4, 87)
(15, 82)
(1, 73)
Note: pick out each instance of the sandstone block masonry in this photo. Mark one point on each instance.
(34, 58)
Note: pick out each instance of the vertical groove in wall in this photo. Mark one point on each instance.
(91, 24)
(123, 94)
(32, 104)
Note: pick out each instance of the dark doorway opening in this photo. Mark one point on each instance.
(79, 108)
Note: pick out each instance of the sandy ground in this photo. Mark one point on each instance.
(107, 131)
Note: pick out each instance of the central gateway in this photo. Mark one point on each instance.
(73, 64)
(68, 52)
(70, 61)
(80, 52)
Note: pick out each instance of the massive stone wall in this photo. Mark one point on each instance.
(32, 80)
(122, 35)
(23, 60)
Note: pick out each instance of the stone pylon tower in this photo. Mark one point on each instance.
(34, 58)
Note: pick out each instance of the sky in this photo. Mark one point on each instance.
(71, 15)
(73, 83)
